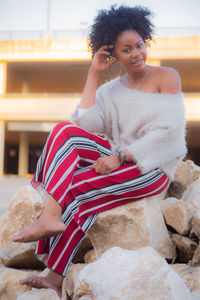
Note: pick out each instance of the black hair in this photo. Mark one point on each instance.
(109, 24)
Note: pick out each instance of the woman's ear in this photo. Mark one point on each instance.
(114, 53)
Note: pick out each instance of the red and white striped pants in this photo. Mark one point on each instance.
(64, 171)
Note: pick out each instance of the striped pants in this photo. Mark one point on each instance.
(63, 170)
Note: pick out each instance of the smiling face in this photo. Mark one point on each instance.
(130, 50)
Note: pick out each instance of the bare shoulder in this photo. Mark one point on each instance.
(169, 80)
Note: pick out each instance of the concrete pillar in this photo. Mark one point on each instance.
(2, 146)
(3, 77)
(153, 62)
(25, 84)
(23, 154)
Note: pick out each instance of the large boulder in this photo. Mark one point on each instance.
(18, 255)
(131, 226)
(176, 190)
(24, 209)
(196, 224)
(192, 194)
(187, 172)
(178, 214)
(119, 274)
(70, 279)
(196, 257)
(185, 247)
(190, 275)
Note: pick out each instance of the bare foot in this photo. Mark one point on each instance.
(50, 282)
(49, 223)
(39, 230)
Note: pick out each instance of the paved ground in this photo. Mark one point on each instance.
(9, 185)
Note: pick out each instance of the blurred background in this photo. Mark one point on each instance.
(44, 62)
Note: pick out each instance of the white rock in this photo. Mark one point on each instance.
(192, 194)
(196, 257)
(18, 255)
(90, 257)
(10, 287)
(119, 274)
(24, 209)
(196, 224)
(190, 275)
(131, 226)
(195, 295)
(187, 172)
(178, 214)
(39, 294)
(71, 277)
(185, 246)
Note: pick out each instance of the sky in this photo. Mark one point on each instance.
(71, 14)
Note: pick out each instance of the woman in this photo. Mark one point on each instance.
(131, 137)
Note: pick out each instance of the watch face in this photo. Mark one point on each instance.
(122, 157)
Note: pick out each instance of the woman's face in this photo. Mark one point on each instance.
(130, 50)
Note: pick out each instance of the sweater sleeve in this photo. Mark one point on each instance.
(162, 140)
(93, 118)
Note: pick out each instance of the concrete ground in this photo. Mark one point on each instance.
(9, 185)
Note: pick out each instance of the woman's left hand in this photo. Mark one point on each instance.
(105, 165)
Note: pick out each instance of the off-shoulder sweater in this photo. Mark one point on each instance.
(150, 126)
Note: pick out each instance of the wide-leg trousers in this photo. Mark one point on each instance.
(64, 171)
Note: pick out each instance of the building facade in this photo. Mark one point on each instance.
(41, 82)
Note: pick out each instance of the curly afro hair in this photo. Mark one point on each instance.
(109, 24)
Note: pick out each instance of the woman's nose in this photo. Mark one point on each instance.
(135, 53)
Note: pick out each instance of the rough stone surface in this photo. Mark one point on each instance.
(24, 209)
(195, 295)
(119, 274)
(196, 257)
(131, 226)
(41, 294)
(17, 255)
(85, 246)
(196, 224)
(178, 214)
(9, 283)
(90, 257)
(192, 194)
(71, 277)
(185, 247)
(176, 190)
(187, 172)
(190, 275)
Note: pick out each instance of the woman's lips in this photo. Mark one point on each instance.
(138, 62)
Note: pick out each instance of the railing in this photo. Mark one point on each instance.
(39, 95)
(82, 33)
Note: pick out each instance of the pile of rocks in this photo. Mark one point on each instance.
(147, 249)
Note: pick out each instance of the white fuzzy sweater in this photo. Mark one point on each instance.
(150, 126)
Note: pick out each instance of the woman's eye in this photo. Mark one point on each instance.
(139, 46)
(126, 50)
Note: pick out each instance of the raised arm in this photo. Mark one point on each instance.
(100, 63)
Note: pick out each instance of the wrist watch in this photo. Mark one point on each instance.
(122, 157)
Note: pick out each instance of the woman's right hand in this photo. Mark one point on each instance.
(101, 59)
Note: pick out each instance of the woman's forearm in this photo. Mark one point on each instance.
(89, 92)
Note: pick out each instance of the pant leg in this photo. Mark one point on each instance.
(91, 193)
(67, 148)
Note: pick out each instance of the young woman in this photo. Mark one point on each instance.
(128, 138)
